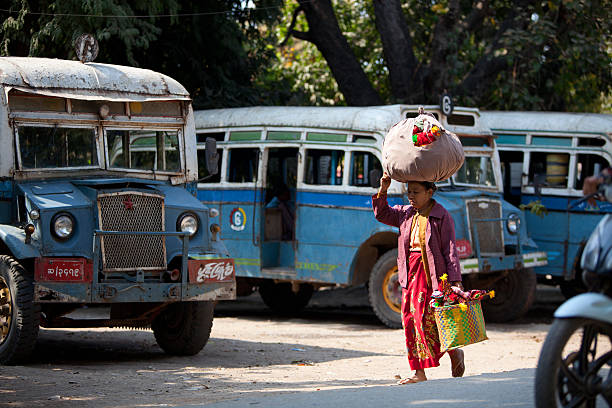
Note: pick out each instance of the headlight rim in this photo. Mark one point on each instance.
(54, 229)
(515, 220)
(182, 217)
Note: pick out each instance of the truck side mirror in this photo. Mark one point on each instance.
(375, 176)
(212, 157)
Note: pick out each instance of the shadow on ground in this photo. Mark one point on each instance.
(507, 389)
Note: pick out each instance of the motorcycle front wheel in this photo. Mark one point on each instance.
(574, 369)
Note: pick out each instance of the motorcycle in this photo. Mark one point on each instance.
(575, 364)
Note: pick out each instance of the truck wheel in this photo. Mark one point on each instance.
(19, 315)
(514, 294)
(281, 298)
(385, 292)
(183, 328)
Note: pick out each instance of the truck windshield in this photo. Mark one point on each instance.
(144, 149)
(477, 171)
(57, 147)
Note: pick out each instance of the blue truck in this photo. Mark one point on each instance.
(97, 206)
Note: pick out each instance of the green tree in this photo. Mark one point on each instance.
(529, 55)
(215, 48)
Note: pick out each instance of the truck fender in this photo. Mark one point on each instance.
(14, 239)
(587, 306)
(219, 247)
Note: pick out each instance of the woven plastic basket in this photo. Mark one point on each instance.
(458, 328)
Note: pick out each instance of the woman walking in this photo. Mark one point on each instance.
(426, 251)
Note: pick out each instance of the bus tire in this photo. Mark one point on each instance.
(514, 295)
(385, 292)
(183, 328)
(280, 297)
(19, 315)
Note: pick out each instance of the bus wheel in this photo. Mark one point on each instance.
(183, 328)
(514, 294)
(19, 315)
(573, 287)
(385, 292)
(281, 298)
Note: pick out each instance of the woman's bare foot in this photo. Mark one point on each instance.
(457, 362)
(418, 377)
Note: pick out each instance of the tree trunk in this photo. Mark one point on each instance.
(324, 32)
(397, 46)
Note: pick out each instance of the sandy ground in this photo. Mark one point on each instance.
(337, 343)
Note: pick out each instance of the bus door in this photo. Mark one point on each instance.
(279, 212)
(323, 227)
(240, 208)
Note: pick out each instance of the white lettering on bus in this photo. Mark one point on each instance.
(215, 270)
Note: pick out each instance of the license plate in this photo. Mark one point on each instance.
(62, 269)
(211, 270)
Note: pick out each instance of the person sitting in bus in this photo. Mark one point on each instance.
(282, 201)
(591, 186)
(423, 257)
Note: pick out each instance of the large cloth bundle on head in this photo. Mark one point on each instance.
(420, 149)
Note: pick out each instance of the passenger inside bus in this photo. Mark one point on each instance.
(282, 201)
(281, 180)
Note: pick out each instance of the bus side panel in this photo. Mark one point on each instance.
(550, 239)
(330, 229)
(239, 218)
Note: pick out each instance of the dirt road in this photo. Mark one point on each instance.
(337, 343)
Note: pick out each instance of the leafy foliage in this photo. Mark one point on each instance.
(216, 52)
(548, 55)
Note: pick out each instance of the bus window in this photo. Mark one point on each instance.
(203, 170)
(476, 170)
(324, 167)
(512, 172)
(243, 164)
(218, 136)
(588, 165)
(362, 164)
(48, 147)
(148, 149)
(548, 169)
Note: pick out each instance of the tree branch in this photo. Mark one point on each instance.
(294, 33)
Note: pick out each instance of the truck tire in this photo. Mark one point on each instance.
(183, 328)
(514, 294)
(385, 292)
(19, 315)
(281, 298)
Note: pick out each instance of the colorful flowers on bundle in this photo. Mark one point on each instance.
(421, 137)
(451, 295)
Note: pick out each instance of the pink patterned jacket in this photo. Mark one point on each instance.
(440, 236)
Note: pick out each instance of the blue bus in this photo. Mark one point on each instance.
(97, 206)
(545, 158)
(294, 197)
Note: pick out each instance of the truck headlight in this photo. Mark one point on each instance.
(513, 223)
(188, 222)
(62, 226)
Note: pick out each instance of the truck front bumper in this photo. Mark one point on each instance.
(204, 278)
(496, 264)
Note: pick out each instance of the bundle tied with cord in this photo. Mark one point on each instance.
(420, 149)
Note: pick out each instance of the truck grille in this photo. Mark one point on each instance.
(132, 211)
(490, 233)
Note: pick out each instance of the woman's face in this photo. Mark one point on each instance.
(417, 194)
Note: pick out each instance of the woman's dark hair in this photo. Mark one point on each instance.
(427, 184)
